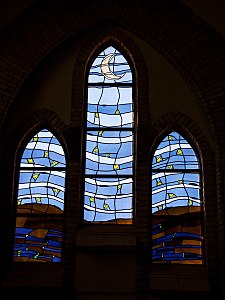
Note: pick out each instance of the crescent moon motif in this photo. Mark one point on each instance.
(105, 69)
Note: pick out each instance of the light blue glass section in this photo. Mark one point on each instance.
(43, 150)
(46, 187)
(109, 152)
(108, 199)
(174, 190)
(174, 152)
(110, 107)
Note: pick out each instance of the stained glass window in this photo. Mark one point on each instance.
(108, 195)
(177, 235)
(40, 200)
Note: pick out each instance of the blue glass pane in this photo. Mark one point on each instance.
(174, 152)
(41, 243)
(110, 66)
(110, 107)
(43, 150)
(41, 190)
(108, 199)
(170, 191)
(109, 152)
(177, 240)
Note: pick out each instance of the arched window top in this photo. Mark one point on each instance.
(175, 152)
(110, 92)
(110, 66)
(43, 150)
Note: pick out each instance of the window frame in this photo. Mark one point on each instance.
(198, 171)
(133, 129)
(26, 138)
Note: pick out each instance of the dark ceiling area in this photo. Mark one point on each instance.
(212, 11)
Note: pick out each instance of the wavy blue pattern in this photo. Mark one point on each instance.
(43, 150)
(174, 190)
(174, 152)
(107, 199)
(109, 149)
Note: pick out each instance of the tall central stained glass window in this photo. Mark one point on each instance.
(108, 195)
(177, 210)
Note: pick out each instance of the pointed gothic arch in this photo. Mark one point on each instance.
(40, 200)
(109, 134)
(177, 206)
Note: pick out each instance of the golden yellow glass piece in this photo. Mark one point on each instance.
(95, 149)
(35, 176)
(158, 159)
(172, 195)
(179, 152)
(106, 206)
(56, 191)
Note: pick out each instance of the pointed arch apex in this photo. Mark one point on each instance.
(43, 150)
(110, 66)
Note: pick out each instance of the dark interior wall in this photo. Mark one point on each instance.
(50, 86)
(37, 85)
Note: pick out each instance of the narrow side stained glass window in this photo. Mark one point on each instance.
(108, 195)
(177, 210)
(40, 200)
